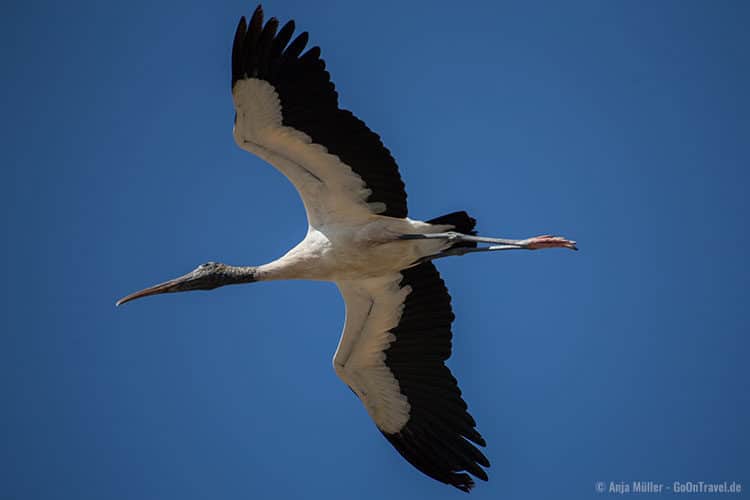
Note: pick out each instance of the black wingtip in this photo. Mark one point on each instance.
(256, 21)
(239, 38)
(463, 482)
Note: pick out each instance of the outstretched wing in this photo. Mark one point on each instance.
(287, 113)
(396, 338)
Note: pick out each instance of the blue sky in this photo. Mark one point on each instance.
(623, 125)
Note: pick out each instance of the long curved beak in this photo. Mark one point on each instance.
(175, 285)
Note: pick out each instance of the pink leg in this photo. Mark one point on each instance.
(547, 241)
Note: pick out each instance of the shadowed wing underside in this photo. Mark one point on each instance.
(287, 113)
(396, 338)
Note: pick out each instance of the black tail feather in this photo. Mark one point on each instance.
(462, 223)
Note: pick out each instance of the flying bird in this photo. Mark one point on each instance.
(397, 331)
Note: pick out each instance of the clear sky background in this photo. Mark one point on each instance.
(623, 125)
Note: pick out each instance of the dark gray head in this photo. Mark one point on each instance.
(204, 277)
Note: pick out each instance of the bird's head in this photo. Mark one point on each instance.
(204, 277)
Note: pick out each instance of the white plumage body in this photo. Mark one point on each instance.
(345, 252)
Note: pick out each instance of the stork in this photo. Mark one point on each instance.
(397, 331)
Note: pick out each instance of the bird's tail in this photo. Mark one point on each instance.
(462, 223)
